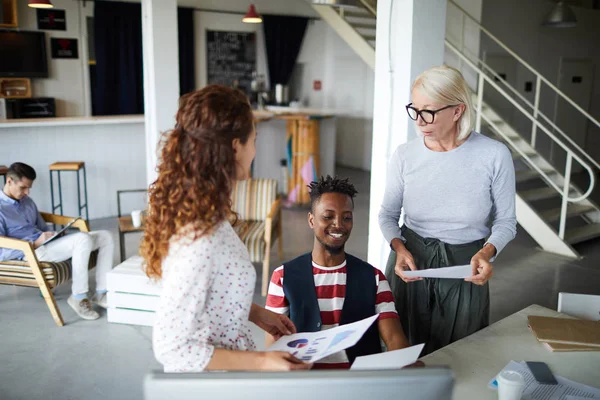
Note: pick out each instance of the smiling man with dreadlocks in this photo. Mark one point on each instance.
(329, 287)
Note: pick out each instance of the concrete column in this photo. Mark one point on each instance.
(410, 39)
(161, 74)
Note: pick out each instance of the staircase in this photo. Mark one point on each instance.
(550, 207)
(355, 25)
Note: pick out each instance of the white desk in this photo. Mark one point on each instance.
(479, 357)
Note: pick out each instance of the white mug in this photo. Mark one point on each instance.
(510, 385)
(136, 218)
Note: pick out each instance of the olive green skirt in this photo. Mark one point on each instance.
(438, 312)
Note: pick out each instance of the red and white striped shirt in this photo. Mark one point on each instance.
(330, 284)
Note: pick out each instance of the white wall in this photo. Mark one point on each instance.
(410, 39)
(543, 47)
(347, 82)
(204, 21)
(68, 80)
(312, 67)
(463, 32)
(347, 86)
(114, 156)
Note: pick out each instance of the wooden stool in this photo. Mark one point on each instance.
(76, 166)
(3, 172)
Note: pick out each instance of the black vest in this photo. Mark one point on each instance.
(359, 303)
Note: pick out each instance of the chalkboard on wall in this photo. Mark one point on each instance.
(231, 58)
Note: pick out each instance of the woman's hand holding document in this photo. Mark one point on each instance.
(457, 272)
(313, 346)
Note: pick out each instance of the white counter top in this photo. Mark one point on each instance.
(42, 122)
(279, 110)
(268, 113)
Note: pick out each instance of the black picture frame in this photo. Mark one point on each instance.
(51, 19)
(64, 48)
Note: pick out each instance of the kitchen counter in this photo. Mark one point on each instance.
(113, 148)
(72, 121)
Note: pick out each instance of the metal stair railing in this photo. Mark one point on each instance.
(539, 77)
(564, 191)
(370, 5)
(547, 120)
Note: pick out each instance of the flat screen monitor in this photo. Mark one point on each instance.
(23, 54)
(404, 384)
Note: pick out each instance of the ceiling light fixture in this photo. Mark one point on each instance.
(252, 16)
(40, 4)
(561, 16)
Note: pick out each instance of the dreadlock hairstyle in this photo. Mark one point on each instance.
(330, 185)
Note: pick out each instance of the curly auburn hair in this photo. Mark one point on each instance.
(330, 185)
(196, 170)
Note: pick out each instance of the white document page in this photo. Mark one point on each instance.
(458, 272)
(394, 359)
(313, 346)
(536, 391)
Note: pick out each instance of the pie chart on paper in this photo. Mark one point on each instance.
(298, 343)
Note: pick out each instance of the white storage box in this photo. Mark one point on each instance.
(132, 296)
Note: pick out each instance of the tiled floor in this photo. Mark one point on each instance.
(98, 360)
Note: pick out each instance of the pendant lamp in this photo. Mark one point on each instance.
(561, 16)
(252, 16)
(40, 4)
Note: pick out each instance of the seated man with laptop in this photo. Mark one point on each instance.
(20, 219)
(329, 287)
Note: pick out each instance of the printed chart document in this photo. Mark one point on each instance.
(67, 226)
(458, 272)
(536, 391)
(313, 346)
(394, 359)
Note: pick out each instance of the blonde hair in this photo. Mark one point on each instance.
(447, 85)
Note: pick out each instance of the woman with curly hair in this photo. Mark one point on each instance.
(207, 277)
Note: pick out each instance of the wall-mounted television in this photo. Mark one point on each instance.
(23, 54)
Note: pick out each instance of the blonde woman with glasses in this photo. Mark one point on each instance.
(456, 189)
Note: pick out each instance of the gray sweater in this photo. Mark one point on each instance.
(454, 195)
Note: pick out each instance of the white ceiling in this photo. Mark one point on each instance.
(285, 7)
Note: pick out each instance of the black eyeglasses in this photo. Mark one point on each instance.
(426, 115)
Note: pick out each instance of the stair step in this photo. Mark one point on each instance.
(363, 25)
(524, 176)
(513, 138)
(539, 194)
(368, 37)
(581, 234)
(518, 156)
(573, 210)
(358, 14)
